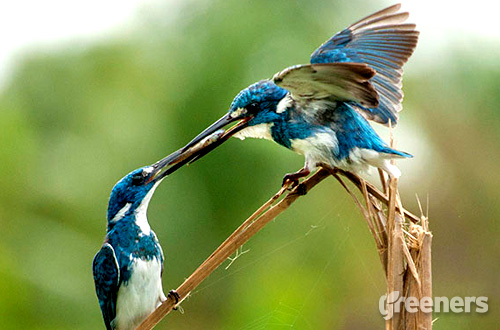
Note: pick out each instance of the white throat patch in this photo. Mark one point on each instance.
(261, 131)
(140, 213)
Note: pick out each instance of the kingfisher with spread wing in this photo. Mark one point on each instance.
(320, 110)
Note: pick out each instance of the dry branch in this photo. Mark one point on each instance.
(249, 228)
(405, 255)
(358, 181)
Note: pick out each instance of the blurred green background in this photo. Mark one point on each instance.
(77, 117)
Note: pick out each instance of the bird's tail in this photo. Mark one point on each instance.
(384, 162)
(393, 153)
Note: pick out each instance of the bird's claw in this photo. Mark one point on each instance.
(291, 180)
(301, 189)
(172, 294)
(289, 183)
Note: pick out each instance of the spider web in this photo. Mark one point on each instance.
(283, 315)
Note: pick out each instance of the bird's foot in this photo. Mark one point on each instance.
(292, 179)
(172, 294)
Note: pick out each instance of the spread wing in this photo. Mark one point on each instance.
(106, 277)
(385, 43)
(336, 81)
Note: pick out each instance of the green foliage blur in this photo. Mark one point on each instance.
(75, 119)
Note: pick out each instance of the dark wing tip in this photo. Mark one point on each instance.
(376, 15)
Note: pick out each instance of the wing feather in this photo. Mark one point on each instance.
(384, 42)
(106, 277)
(381, 13)
(336, 81)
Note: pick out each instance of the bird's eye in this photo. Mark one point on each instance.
(139, 178)
(252, 107)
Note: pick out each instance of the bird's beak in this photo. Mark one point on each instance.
(202, 144)
(157, 173)
(219, 124)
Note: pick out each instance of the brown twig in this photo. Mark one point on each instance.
(412, 278)
(425, 319)
(405, 255)
(249, 228)
(357, 180)
(395, 262)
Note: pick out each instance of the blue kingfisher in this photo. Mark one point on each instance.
(320, 110)
(128, 268)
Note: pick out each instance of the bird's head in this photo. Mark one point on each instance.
(257, 103)
(131, 191)
(254, 105)
(136, 188)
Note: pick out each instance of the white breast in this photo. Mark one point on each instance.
(140, 296)
(318, 148)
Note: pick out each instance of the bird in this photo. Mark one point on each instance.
(321, 109)
(129, 266)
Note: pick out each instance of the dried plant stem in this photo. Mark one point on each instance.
(425, 319)
(358, 181)
(395, 262)
(247, 223)
(249, 228)
(405, 255)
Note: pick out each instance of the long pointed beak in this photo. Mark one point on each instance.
(161, 164)
(219, 124)
(201, 145)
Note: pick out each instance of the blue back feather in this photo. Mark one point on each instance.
(353, 131)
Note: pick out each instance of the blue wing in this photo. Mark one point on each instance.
(382, 41)
(106, 277)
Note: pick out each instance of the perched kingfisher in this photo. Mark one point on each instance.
(128, 268)
(320, 110)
